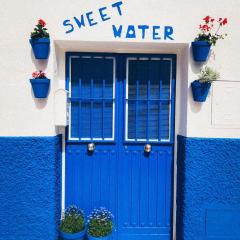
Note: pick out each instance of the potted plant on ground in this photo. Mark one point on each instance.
(40, 84)
(73, 224)
(207, 37)
(40, 41)
(100, 224)
(200, 87)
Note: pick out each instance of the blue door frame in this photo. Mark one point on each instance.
(137, 187)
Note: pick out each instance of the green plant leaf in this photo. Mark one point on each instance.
(208, 74)
(73, 220)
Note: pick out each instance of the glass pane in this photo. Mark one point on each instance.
(165, 78)
(74, 119)
(107, 120)
(164, 120)
(137, 79)
(153, 120)
(87, 77)
(85, 120)
(97, 120)
(97, 87)
(154, 79)
(92, 81)
(75, 76)
(148, 82)
(131, 119)
(108, 78)
(142, 120)
(143, 76)
(132, 79)
(102, 72)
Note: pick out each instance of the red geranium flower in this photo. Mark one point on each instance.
(208, 32)
(38, 74)
(207, 19)
(224, 21)
(34, 74)
(42, 22)
(41, 74)
(205, 27)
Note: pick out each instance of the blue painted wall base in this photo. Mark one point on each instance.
(208, 189)
(30, 187)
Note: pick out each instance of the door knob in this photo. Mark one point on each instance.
(91, 147)
(147, 148)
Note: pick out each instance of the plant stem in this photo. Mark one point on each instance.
(217, 29)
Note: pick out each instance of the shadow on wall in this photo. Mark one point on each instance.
(38, 63)
(40, 103)
(182, 90)
(195, 106)
(196, 66)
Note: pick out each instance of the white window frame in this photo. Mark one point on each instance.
(126, 107)
(113, 104)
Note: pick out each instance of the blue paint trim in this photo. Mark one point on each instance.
(208, 188)
(30, 183)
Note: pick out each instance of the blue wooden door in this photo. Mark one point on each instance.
(121, 102)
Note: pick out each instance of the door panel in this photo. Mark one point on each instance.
(91, 179)
(122, 102)
(145, 201)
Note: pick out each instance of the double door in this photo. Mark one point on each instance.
(120, 139)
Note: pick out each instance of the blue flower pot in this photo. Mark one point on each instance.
(200, 50)
(108, 237)
(40, 87)
(200, 90)
(75, 236)
(40, 47)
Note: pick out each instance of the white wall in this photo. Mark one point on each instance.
(22, 115)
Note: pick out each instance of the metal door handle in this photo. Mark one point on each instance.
(91, 147)
(147, 148)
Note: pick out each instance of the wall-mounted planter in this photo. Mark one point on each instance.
(200, 50)
(40, 87)
(200, 90)
(40, 47)
(75, 236)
